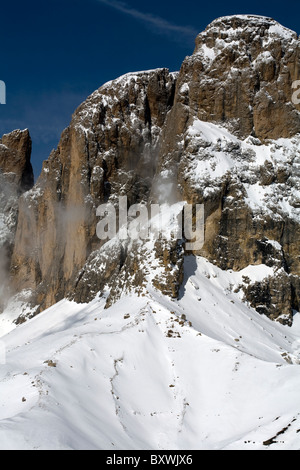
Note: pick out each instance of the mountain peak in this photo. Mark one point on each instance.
(249, 35)
(237, 27)
(15, 156)
(142, 132)
(237, 21)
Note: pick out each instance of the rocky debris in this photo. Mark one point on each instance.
(100, 271)
(272, 297)
(170, 253)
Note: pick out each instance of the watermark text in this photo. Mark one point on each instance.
(2, 92)
(296, 94)
(179, 221)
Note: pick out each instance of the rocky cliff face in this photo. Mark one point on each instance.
(251, 196)
(109, 149)
(241, 73)
(16, 176)
(223, 132)
(15, 166)
(231, 142)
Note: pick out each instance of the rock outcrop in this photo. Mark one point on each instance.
(15, 154)
(222, 132)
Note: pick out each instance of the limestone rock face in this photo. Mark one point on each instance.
(231, 143)
(15, 153)
(241, 73)
(222, 132)
(110, 149)
(16, 176)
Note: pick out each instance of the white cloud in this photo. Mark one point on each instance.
(159, 25)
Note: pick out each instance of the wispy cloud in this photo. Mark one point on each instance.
(158, 24)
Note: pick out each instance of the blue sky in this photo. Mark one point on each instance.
(55, 53)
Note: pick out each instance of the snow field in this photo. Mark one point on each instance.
(153, 373)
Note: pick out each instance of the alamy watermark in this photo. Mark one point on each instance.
(180, 221)
(2, 92)
(296, 94)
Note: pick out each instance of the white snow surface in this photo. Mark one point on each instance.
(202, 372)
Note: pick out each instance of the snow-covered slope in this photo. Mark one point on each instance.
(202, 372)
